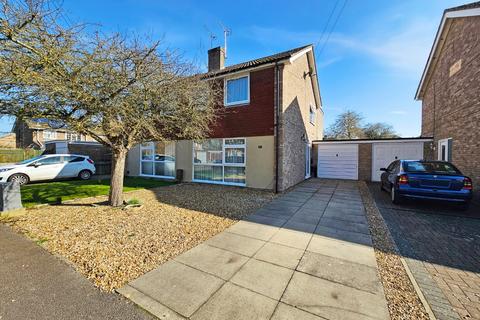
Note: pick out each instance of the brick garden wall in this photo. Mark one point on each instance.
(365, 161)
(451, 103)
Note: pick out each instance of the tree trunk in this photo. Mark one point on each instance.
(115, 197)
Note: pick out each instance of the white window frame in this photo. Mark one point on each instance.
(312, 112)
(236, 103)
(49, 135)
(223, 164)
(152, 147)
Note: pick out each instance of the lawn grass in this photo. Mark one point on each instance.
(38, 193)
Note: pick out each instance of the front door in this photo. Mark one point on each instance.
(443, 150)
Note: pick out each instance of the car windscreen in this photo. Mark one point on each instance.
(29, 160)
(430, 168)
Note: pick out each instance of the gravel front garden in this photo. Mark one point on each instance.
(111, 246)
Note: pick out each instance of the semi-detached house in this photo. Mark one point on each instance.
(271, 113)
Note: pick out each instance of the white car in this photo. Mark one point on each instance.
(49, 167)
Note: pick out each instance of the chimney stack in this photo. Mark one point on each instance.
(216, 59)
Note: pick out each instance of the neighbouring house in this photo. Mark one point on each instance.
(8, 140)
(271, 113)
(450, 90)
(34, 133)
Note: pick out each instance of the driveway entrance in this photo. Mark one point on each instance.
(306, 255)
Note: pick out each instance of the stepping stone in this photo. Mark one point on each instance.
(343, 250)
(344, 225)
(286, 312)
(343, 235)
(234, 302)
(351, 274)
(235, 243)
(291, 238)
(263, 277)
(253, 230)
(280, 255)
(178, 287)
(332, 300)
(299, 226)
(219, 262)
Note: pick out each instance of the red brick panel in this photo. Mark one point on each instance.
(253, 119)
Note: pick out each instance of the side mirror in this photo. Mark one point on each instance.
(36, 164)
(384, 169)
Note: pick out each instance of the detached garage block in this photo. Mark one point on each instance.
(361, 159)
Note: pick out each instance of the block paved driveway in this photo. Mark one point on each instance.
(306, 254)
(441, 245)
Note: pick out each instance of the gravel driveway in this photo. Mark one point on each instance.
(441, 245)
(111, 246)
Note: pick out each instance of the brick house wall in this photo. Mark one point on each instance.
(365, 161)
(254, 118)
(451, 103)
(26, 136)
(295, 128)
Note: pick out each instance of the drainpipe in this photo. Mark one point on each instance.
(276, 106)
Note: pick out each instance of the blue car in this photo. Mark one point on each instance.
(419, 179)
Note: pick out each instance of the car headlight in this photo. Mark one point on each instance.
(5, 169)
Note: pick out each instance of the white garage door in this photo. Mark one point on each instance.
(384, 153)
(338, 161)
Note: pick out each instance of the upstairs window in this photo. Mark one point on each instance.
(237, 91)
(312, 114)
(49, 135)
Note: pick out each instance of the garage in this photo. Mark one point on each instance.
(338, 161)
(385, 153)
(361, 159)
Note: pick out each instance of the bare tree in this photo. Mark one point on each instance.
(120, 91)
(348, 125)
(379, 130)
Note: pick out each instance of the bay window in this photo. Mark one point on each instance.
(157, 159)
(220, 161)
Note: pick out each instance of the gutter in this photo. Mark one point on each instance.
(276, 108)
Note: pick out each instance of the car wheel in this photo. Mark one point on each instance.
(396, 199)
(19, 178)
(85, 174)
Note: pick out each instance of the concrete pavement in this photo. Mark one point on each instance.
(306, 255)
(37, 285)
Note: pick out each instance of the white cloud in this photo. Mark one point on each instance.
(402, 48)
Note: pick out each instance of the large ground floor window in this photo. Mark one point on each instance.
(220, 161)
(157, 159)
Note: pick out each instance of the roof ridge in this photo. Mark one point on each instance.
(471, 5)
(257, 62)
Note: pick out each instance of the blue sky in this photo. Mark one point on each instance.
(372, 62)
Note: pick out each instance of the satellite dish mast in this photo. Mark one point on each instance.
(226, 32)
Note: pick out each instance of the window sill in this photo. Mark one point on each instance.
(236, 104)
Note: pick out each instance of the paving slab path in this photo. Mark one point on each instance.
(36, 285)
(306, 255)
